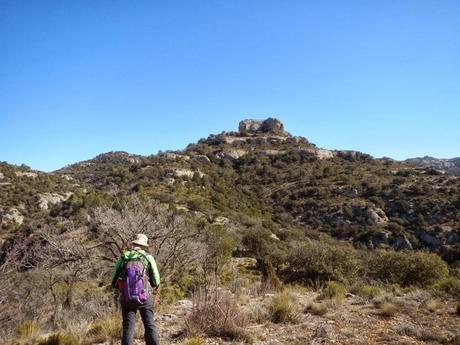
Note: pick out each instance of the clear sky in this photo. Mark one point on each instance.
(78, 78)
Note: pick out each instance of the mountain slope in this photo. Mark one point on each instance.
(263, 174)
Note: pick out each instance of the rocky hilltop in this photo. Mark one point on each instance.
(450, 165)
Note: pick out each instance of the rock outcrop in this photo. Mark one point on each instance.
(270, 125)
(13, 216)
(46, 199)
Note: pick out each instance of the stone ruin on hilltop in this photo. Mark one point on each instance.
(270, 125)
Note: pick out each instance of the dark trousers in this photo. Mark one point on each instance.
(128, 312)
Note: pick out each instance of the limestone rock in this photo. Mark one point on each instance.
(324, 154)
(221, 220)
(377, 216)
(270, 125)
(26, 174)
(186, 173)
(246, 126)
(13, 216)
(2, 176)
(231, 154)
(46, 199)
(274, 237)
(203, 158)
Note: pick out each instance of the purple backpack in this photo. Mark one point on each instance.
(136, 283)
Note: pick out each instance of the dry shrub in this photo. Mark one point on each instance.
(388, 309)
(457, 311)
(259, 314)
(284, 308)
(316, 308)
(432, 305)
(217, 315)
(419, 333)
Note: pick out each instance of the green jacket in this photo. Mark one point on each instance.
(149, 262)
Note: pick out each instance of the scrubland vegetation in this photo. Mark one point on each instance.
(268, 246)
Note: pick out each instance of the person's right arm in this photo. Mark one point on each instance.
(154, 274)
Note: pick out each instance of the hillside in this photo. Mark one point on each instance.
(264, 173)
(254, 214)
(450, 165)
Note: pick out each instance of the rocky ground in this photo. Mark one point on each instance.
(415, 319)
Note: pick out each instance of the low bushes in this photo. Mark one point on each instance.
(313, 262)
(407, 268)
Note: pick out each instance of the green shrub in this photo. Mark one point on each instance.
(449, 285)
(407, 268)
(283, 307)
(333, 290)
(368, 291)
(313, 262)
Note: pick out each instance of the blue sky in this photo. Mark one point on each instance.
(78, 78)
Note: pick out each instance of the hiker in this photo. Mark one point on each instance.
(136, 275)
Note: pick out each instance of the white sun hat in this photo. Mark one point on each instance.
(141, 240)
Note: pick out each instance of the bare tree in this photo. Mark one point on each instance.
(174, 238)
(12, 258)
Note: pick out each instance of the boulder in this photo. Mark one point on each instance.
(246, 126)
(2, 176)
(13, 216)
(377, 216)
(221, 220)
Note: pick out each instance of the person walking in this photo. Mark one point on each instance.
(136, 275)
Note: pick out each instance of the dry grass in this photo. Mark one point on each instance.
(284, 308)
(316, 308)
(27, 329)
(432, 305)
(103, 330)
(333, 290)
